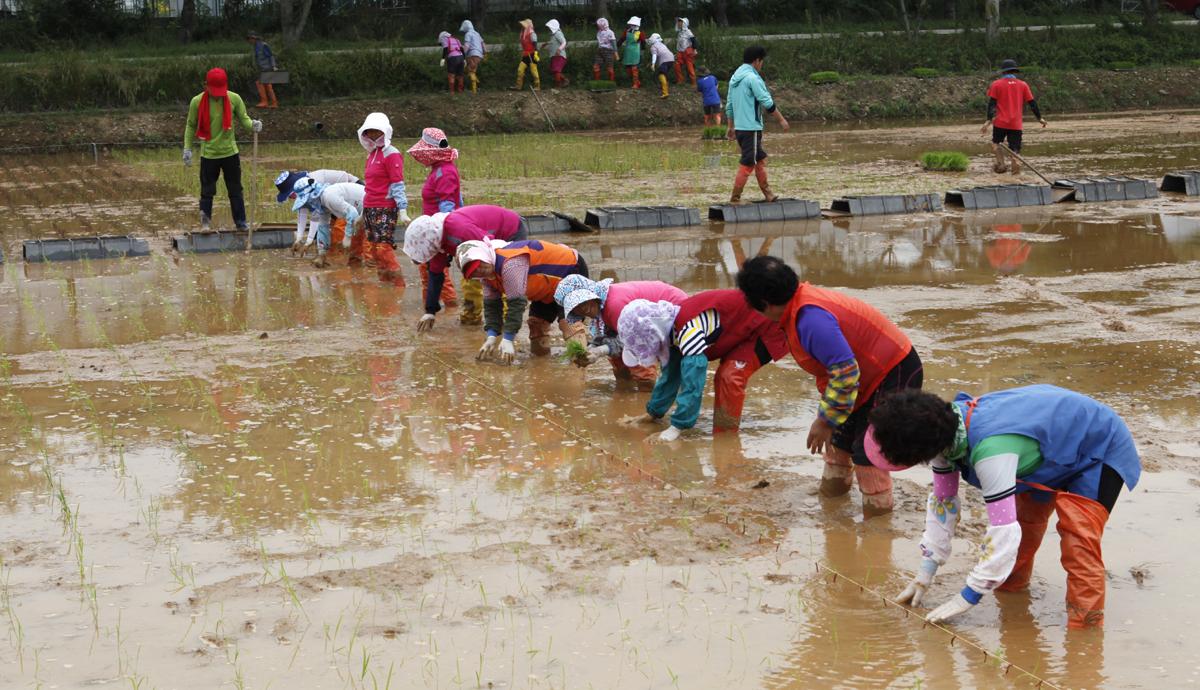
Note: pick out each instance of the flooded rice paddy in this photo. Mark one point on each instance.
(237, 469)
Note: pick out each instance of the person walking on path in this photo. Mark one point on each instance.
(452, 60)
(434, 240)
(264, 61)
(529, 56)
(1007, 97)
(748, 98)
(710, 96)
(606, 50)
(210, 121)
(857, 357)
(635, 42)
(661, 59)
(558, 53)
(1031, 451)
(713, 325)
(286, 184)
(442, 193)
(342, 200)
(385, 201)
(476, 52)
(685, 50)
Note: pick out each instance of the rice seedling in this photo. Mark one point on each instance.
(716, 133)
(925, 73)
(945, 160)
(824, 77)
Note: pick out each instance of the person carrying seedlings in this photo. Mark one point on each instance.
(442, 193)
(558, 53)
(606, 51)
(602, 302)
(1031, 451)
(476, 52)
(434, 240)
(713, 325)
(856, 355)
(343, 200)
(685, 50)
(385, 202)
(453, 60)
(635, 42)
(710, 96)
(516, 274)
(210, 121)
(1007, 97)
(286, 184)
(264, 61)
(748, 98)
(529, 56)
(661, 59)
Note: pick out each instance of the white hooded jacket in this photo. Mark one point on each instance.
(384, 175)
(558, 42)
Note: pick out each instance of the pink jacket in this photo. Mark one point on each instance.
(385, 167)
(443, 185)
(474, 223)
(621, 294)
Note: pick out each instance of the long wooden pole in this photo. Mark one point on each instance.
(253, 194)
(1018, 157)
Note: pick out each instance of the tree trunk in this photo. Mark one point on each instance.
(949, 9)
(719, 15)
(187, 21)
(600, 9)
(1151, 9)
(992, 15)
(479, 10)
(291, 32)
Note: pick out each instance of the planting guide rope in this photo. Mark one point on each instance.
(630, 464)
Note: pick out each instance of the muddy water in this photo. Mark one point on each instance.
(239, 469)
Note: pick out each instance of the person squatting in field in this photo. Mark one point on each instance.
(856, 355)
(286, 184)
(714, 325)
(603, 301)
(343, 200)
(516, 274)
(1031, 451)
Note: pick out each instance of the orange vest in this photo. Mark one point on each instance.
(548, 264)
(878, 345)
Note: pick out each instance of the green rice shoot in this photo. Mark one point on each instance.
(574, 349)
(945, 160)
(714, 132)
(824, 77)
(925, 72)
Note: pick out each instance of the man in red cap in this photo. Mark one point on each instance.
(210, 121)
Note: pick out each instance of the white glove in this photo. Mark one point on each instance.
(404, 216)
(595, 353)
(489, 348)
(256, 125)
(915, 592)
(442, 62)
(347, 240)
(187, 157)
(667, 436)
(955, 607)
(507, 351)
(426, 322)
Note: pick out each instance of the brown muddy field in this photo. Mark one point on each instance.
(239, 469)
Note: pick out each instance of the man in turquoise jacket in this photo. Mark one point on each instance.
(748, 98)
(210, 121)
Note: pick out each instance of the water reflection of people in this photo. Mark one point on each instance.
(1031, 451)
(1008, 254)
(856, 355)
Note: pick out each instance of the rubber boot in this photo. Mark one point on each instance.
(472, 312)
(1000, 166)
(539, 336)
(451, 77)
(718, 116)
(760, 173)
(320, 261)
(1080, 526)
(460, 84)
(271, 95)
(557, 81)
(838, 475)
(205, 223)
(356, 248)
(678, 73)
(262, 95)
(662, 79)
(1034, 518)
(708, 121)
(637, 79)
(565, 82)
(474, 82)
(520, 78)
(692, 71)
(596, 72)
(537, 80)
(237, 206)
(612, 75)
(876, 487)
(739, 184)
(1015, 166)
(387, 265)
(729, 389)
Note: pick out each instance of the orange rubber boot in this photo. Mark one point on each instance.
(760, 173)
(460, 84)
(1034, 518)
(452, 82)
(730, 393)
(596, 72)
(876, 487)
(262, 95)
(637, 80)
(1081, 525)
(612, 76)
(387, 265)
(357, 250)
(337, 233)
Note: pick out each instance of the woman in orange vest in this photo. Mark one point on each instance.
(856, 354)
(520, 273)
(529, 56)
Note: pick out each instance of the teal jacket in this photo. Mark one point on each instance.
(748, 98)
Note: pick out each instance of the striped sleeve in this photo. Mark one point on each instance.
(696, 335)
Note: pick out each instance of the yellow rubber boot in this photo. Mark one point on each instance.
(474, 82)
(537, 80)
(520, 78)
(662, 79)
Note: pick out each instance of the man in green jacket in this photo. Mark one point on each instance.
(210, 121)
(748, 98)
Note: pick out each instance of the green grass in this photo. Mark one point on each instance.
(1194, 63)
(925, 72)
(1032, 69)
(717, 132)
(824, 77)
(601, 85)
(1121, 64)
(945, 160)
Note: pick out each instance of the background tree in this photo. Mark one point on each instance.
(949, 9)
(720, 16)
(187, 21)
(912, 25)
(1151, 8)
(292, 31)
(600, 8)
(991, 12)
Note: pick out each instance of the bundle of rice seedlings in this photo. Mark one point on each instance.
(945, 160)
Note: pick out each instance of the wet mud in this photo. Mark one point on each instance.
(240, 469)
